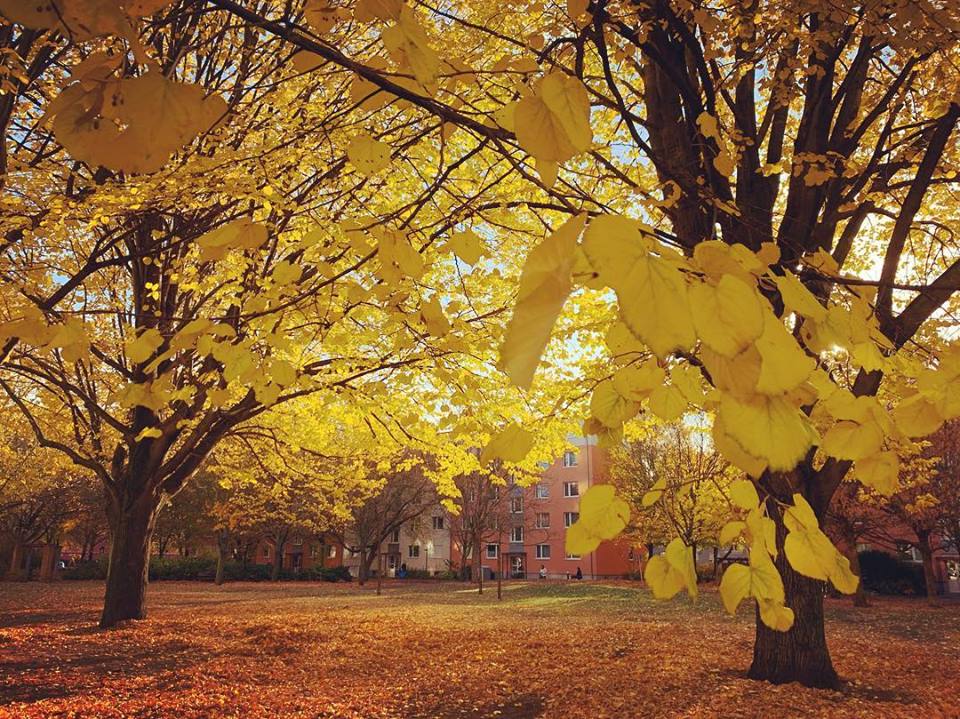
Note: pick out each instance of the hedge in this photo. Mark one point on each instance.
(205, 568)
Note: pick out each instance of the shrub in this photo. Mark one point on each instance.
(182, 568)
(883, 573)
(96, 569)
(238, 572)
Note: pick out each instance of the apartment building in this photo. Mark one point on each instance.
(534, 522)
(421, 544)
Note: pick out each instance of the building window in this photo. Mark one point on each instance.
(516, 505)
(543, 520)
(543, 491)
(569, 459)
(493, 551)
(573, 556)
(571, 489)
(331, 551)
(516, 534)
(438, 522)
(395, 537)
(297, 542)
(543, 551)
(908, 551)
(266, 552)
(314, 551)
(569, 518)
(413, 550)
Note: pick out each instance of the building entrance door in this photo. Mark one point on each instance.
(518, 568)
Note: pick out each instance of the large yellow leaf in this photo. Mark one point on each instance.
(728, 317)
(369, 156)
(511, 444)
(603, 515)
(466, 245)
(667, 402)
(880, 471)
(610, 407)
(917, 416)
(239, 234)
(797, 298)
(553, 123)
(769, 428)
(850, 440)
(743, 494)
(784, 365)
(132, 125)
(759, 579)
(409, 47)
(651, 290)
(544, 285)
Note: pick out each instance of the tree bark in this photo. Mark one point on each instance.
(127, 568)
(860, 596)
(277, 561)
(15, 560)
(800, 654)
(221, 557)
(929, 576)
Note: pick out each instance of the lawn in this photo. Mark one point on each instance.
(439, 651)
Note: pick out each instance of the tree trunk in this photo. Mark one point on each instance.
(929, 576)
(221, 557)
(15, 561)
(800, 654)
(860, 596)
(363, 573)
(277, 561)
(127, 568)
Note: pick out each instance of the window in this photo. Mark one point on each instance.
(266, 552)
(908, 551)
(569, 518)
(413, 550)
(395, 537)
(493, 551)
(573, 556)
(569, 459)
(314, 551)
(516, 534)
(543, 491)
(297, 542)
(438, 522)
(543, 551)
(571, 489)
(331, 551)
(543, 520)
(516, 505)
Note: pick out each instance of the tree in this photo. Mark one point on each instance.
(400, 494)
(676, 484)
(755, 182)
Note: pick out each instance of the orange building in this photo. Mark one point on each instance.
(536, 519)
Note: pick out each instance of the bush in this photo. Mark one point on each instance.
(883, 573)
(96, 569)
(238, 572)
(182, 568)
(325, 574)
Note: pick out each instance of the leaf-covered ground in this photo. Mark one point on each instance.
(439, 651)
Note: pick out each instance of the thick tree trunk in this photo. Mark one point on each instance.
(129, 562)
(277, 561)
(860, 596)
(800, 654)
(363, 573)
(16, 560)
(929, 575)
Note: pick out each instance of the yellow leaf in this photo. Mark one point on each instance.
(148, 433)
(850, 440)
(370, 10)
(731, 532)
(662, 579)
(306, 61)
(797, 298)
(431, 312)
(285, 272)
(283, 373)
(409, 47)
(776, 615)
(135, 124)
(319, 16)
(667, 402)
(772, 428)
(607, 405)
(603, 515)
(784, 364)
(651, 290)
(728, 317)
(880, 472)
(743, 494)
(553, 123)
(511, 444)
(239, 234)
(142, 347)
(544, 286)
(636, 382)
(466, 245)
(369, 156)
(917, 416)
